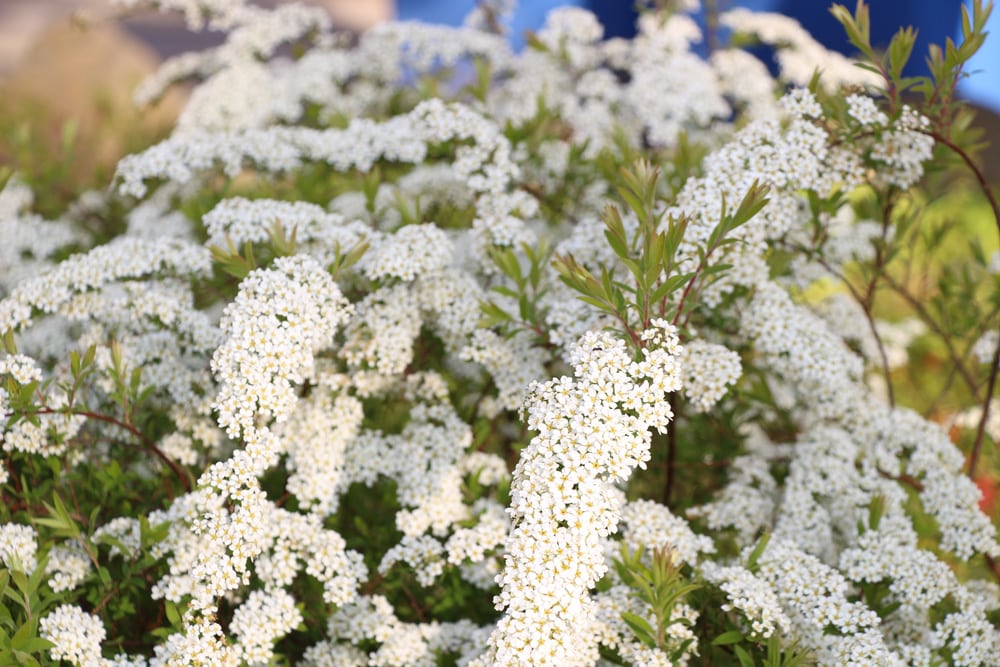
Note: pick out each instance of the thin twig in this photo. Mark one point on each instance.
(908, 480)
(928, 412)
(977, 444)
(936, 328)
(668, 487)
(974, 168)
(992, 564)
(414, 604)
(146, 442)
(867, 310)
(995, 207)
(372, 584)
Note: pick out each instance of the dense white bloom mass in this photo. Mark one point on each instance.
(77, 635)
(122, 259)
(709, 369)
(260, 621)
(346, 409)
(592, 430)
(751, 597)
(278, 320)
(18, 547)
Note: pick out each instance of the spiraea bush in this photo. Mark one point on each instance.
(409, 350)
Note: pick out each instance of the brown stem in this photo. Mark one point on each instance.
(995, 207)
(668, 487)
(992, 564)
(977, 444)
(687, 292)
(105, 600)
(712, 11)
(865, 303)
(370, 587)
(925, 316)
(908, 480)
(544, 341)
(974, 168)
(414, 604)
(146, 442)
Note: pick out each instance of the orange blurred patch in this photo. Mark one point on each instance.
(989, 487)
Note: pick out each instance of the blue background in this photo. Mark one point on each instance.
(934, 19)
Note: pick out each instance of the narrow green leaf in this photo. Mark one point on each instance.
(876, 510)
(741, 654)
(676, 656)
(757, 552)
(525, 309)
(641, 627)
(22, 635)
(36, 645)
(8, 342)
(89, 355)
(173, 615)
(726, 638)
(900, 49)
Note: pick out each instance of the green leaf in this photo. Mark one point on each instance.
(641, 627)
(741, 654)
(757, 552)
(676, 656)
(8, 342)
(615, 232)
(753, 201)
(857, 26)
(508, 264)
(74, 362)
(726, 638)
(60, 519)
(36, 645)
(532, 40)
(494, 314)
(23, 634)
(20, 579)
(876, 510)
(525, 308)
(900, 49)
(173, 615)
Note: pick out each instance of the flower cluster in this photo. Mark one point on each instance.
(709, 369)
(278, 320)
(76, 635)
(18, 547)
(593, 429)
(409, 357)
(751, 597)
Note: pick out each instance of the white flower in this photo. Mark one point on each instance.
(18, 547)
(562, 497)
(709, 369)
(263, 619)
(76, 634)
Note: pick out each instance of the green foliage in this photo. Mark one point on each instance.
(22, 604)
(660, 585)
(656, 287)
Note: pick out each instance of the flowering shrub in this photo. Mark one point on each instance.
(415, 351)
